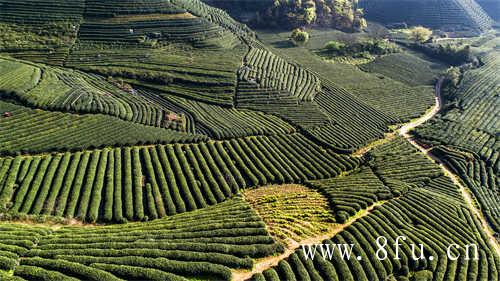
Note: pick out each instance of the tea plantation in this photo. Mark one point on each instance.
(164, 140)
(466, 134)
(427, 211)
(454, 14)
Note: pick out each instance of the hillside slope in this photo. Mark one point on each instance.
(133, 132)
(491, 7)
(444, 14)
(466, 135)
(177, 64)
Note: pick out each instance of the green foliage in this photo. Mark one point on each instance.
(452, 76)
(463, 137)
(299, 37)
(269, 70)
(406, 67)
(75, 91)
(346, 89)
(453, 15)
(357, 49)
(334, 46)
(203, 74)
(424, 215)
(195, 244)
(420, 34)
(424, 275)
(339, 14)
(160, 180)
(37, 273)
(223, 123)
(455, 55)
(185, 66)
(349, 194)
(478, 175)
(292, 212)
(468, 110)
(55, 131)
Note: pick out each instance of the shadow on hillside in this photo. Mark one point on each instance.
(283, 44)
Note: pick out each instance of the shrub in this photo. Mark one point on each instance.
(87, 273)
(299, 37)
(286, 272)
(137, 273)
(7, 263)
(36, 273)
(334, 46)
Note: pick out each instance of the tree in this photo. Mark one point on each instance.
(310, 12)
(295, 13)
(452, 76)
(299, 36)
(420, 34)
(464, 54)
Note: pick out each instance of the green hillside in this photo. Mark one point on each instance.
(429, 212)
(443, 14)
(143, 63)
(491, 7)
(466, 134)
(165, 140)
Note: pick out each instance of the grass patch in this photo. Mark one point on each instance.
(292, 212)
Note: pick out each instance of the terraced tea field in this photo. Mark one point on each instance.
(164, 140)
(434, 13)
(466, 134)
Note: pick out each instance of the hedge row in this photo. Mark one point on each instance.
(142, 183)
(197, 244)
(39, 131)
(430, 213)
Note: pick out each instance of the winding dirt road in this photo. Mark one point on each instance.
(406, 128)
(466, 194)
(404, 131)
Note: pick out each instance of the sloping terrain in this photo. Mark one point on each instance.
(189, 67)
(406, 68)
(444, 14)
(154, 181)
(491, 7)
(468, 130)
(132, 131)
(292, 212)
(429, 211)
(196, 245)
(354, 107)
(35, 130)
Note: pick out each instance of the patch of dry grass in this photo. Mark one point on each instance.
(292, 212)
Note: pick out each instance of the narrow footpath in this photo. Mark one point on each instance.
(404, 131)
(466, 194)
(271, 261)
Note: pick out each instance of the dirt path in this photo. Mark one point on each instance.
(268, 262)
(472, 206)
(404, 131)
(407, 127)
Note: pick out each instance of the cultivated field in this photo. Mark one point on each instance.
(164, 140)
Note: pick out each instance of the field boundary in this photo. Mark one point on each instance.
(268, 262)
